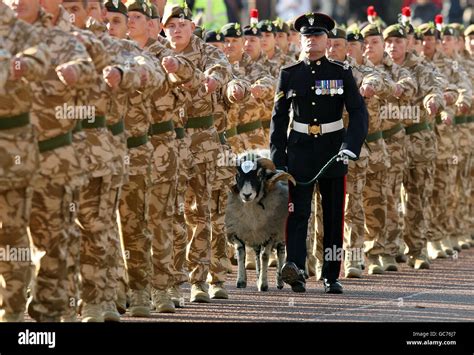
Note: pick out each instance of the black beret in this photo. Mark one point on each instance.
(116, 6)
(213, 36)
(232, 30)
(395, 30)
(252, 31)
(266, 26)
(140, 6)
(337, 32)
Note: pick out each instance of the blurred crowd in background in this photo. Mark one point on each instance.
(216, 13)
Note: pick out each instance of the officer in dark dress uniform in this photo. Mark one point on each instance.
(317, 90)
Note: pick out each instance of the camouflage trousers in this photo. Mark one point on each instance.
(98, 203)
(463, 196)
(217, 270)
(417, 186)
(198, 256)
(180, 233)
(441, 222)
(180, 227)
(162, 198)
(375, 206)
(471, 203)
(15, 208)
(354, 217)
(394, 221)
(53, 213)
(136, 237)
(117, 277)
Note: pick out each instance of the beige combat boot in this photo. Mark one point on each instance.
(375, 267)
(352, 269)
(121, 301)
(418, 262)
(174, 292)
(70, 316)
(455, 243)
(92, 313)
(436, 250)
(162, 301)
(446, 245)
(463, 243)
(218, 291)
(6, 317)
(139, 303)
(111, 313)
(388, 262)
(199, 293)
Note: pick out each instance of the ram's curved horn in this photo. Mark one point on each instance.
(281, 175)
(267, 164)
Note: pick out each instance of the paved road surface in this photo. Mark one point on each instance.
(445, 293)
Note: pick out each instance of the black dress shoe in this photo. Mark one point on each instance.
(294, 277)
(332, 286)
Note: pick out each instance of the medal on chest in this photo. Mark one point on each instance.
(329, 87)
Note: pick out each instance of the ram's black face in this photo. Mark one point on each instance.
(250, 184)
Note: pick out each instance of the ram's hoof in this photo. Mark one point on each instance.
(241, 284)
(279, 287)
(263, 288)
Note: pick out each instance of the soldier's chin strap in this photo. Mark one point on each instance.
(337, 157)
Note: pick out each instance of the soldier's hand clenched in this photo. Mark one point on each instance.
(112, 77)
(236, 92)
(431, 107)
(211, 85)
(449, 97)
(462, 108)
(257, 91)
(367, 91)
(170, 64)
(67, 74)
(398, 91)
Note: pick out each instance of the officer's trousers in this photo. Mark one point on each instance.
(333, 200)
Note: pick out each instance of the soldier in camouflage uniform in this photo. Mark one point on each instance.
(205, 141)
(19, 45)
(385, 244)
(272, 59)
(232, 93)
(420, 142)
(294, 39)
(164, 102)
(469, 54)
(98, 196)
(247, 116)
(160, 105)
(442, 224)
(464, 139)
(55, 195)
(282, 37)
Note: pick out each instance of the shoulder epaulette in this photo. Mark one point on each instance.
(292, 65)
(345, 65)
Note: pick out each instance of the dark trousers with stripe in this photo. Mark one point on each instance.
(333, 199)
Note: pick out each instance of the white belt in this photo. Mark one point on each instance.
(313, 130)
